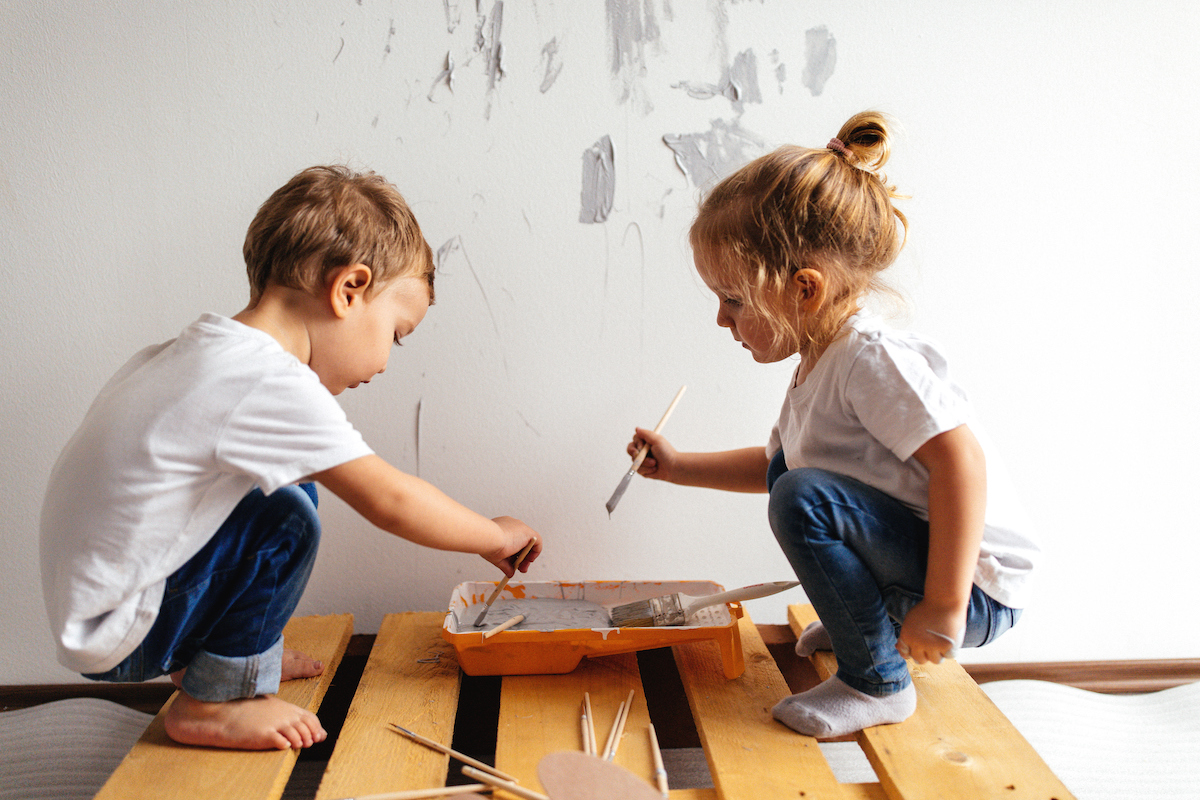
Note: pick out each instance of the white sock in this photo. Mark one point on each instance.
(833, 708)
(814, 637)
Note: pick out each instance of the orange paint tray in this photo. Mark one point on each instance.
(550, 652)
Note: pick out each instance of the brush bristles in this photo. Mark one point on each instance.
(633, 615)
(656, 612)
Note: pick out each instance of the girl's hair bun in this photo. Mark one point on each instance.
(866, 140)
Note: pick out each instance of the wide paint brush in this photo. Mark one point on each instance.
(488, 605)
(641, 456)
(674, 609)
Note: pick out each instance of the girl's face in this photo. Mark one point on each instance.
(748, 326)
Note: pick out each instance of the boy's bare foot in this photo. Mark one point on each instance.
(252, 723)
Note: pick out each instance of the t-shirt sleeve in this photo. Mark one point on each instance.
(286, 428)
(903, 398)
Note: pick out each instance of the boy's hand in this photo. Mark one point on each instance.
(660, 461)
(931, 634)
(518, 534)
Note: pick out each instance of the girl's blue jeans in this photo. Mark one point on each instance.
(223, 612)
(861, 557)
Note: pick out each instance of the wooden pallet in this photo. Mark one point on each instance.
(958, 745)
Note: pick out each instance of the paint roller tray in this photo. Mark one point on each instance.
(524, 651)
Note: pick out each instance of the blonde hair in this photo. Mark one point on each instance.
(827, 209)
(328, 217)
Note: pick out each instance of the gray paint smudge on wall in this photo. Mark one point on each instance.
(446, 76)
(599, 182)
(487, 41)
(739, 83)
(453, 15)
(820, 53)
(553, 64)
(631, 26)
(707, 157)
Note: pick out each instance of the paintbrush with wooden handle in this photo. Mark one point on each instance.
(488, 605)
(640, 457)
(674, 609)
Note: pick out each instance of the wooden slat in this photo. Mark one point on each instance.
(750, 755)
(539, 714)
(160, 768)
(956, 744)
(411, 679)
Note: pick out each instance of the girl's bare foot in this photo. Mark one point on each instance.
(252, 723)
(299, 665)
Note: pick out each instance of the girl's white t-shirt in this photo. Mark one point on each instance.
(167, 450)
(874, 397)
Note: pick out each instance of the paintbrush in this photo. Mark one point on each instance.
(499, 588)
(674, 609)
(640, 457)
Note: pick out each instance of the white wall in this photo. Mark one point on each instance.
(1047, 147)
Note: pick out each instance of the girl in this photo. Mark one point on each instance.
(884, 494)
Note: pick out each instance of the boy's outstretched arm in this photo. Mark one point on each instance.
(418, 511)
(743, 470)
(957, 501)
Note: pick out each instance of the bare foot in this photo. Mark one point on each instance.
(295, 665)
(253, 723)
(299, 665)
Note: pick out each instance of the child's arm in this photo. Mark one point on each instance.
(742, 470)
(414, 509)
(957, 498)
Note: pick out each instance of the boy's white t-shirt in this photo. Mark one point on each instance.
(167, 450)
(872, 399)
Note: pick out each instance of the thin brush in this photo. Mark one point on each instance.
(500, 587)
(660, 772)
(441, 748)
(674, 609)
(640, 456)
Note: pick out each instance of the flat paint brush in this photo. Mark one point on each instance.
(640, 456)
(674, 609)
(499, 588)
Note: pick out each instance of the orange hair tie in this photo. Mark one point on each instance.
(835, 144)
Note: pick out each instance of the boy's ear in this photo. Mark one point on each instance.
(810, 288)
(348, 287)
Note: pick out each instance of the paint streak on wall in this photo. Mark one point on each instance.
(705, 158)
(739, 83)
(553, 64)
(487, 41)
(599, 182)
(820, 53)
(780, 69)
(631, 26)
(453, 15)
(446, 76)
(453, 246)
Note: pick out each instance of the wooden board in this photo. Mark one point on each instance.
(539, 714)
(160, 768)
(956, 744)
(750, 755)
(411, 679)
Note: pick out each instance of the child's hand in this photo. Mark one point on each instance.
(519, 534)
(930, 634)
(660, 461)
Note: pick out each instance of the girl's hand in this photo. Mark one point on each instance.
(662, 459)
(931, 634)
(518, 534)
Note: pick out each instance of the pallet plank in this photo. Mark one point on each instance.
(750, 755)
(539, 714)
(411, 679)
(956, 744)
(161, 768)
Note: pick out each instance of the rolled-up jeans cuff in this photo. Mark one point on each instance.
(216, 679)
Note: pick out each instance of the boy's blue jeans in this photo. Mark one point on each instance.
(223, 612)
(861, 557)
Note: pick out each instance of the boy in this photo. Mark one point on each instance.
(174, 537)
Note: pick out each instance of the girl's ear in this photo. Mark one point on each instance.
(348, 288)
(810, 289)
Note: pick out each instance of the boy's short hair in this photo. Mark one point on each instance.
(328, 217)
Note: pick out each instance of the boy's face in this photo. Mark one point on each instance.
(356, 348)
